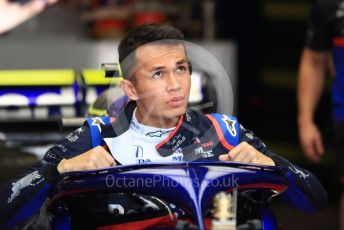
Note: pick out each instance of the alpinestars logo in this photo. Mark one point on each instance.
(299, 172)
(230, 124)
(97, 121)
(158, 133)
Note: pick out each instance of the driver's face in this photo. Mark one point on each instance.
(162, 83)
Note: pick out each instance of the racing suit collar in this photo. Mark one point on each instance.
(121, 123)
(182, 136)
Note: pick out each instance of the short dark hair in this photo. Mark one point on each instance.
(145, 34)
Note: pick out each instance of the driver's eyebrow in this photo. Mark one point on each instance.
(181, 62)
(155, 68)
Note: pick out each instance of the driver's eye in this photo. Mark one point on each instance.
(157, 75)
(181, 69)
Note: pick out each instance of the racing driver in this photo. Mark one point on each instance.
(154, 126)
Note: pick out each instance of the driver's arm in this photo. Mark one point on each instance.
(95, 158)
(304, 190)
(303, 185)
(22, 198)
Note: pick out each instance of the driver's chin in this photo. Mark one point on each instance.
(175, 113)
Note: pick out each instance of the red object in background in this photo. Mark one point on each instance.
(94, 4)
(145, 17)
(109, 28)
(110, 24)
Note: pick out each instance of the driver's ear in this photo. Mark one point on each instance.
(129, 90)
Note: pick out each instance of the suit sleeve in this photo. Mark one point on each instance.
(320, 26)
(23, 197)
(304, 191)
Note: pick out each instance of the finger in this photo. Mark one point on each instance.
(224, 157)
(309, 150)
(101, 158)
(30, 9)
(246, 150)
(99, 161)
(50, 2)
(240, 156)
(109, 160)
(247, 158)
(236, 150)
(319, 145)
(93, 160)
(104, 162)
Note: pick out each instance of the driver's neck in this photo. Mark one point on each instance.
(154, 121)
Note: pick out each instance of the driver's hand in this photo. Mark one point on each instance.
(95, 158)
(245, 153)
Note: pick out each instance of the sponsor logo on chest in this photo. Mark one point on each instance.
(140, 158)
(205, 153)
(144, 157)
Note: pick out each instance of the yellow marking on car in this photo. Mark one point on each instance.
(95, 77)
(36, 77)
